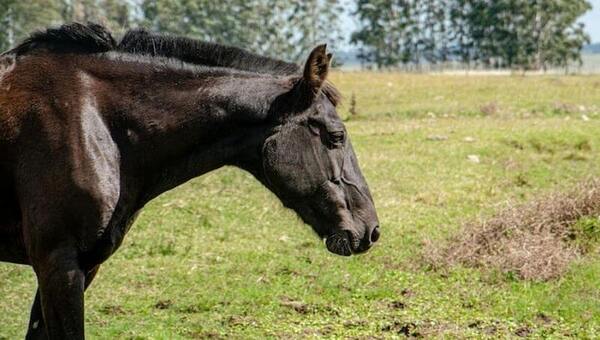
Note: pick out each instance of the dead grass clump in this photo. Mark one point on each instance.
(534, 241)
(561, 108)
(490, 109)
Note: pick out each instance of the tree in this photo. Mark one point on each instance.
(19, 18)
(115, 14)
(404, 31)
(525, 34)
(459, 33)
(530, 34)
(310, 22)
(276, 28)
(388, 32)
(559, 39)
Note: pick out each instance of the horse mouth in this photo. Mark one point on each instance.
(342, 243)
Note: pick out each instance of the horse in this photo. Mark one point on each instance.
(92, 129)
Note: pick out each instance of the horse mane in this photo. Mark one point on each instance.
(94, 38)
(141, 41)
(68, 38)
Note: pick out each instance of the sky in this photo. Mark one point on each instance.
(592, 21)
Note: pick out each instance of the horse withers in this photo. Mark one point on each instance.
(91, 130)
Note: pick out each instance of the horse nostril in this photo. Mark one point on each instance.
(375, 234)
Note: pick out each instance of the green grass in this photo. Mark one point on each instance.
(410, 95)
(219, 256)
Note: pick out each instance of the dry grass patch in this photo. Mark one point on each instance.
(534, 241)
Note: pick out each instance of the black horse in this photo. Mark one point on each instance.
(91, 130)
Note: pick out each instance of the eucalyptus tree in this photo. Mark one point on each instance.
(388, 32)
(283, 29)
(18, 18)
(523, 34)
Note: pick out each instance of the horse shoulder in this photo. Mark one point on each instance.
(95, 155)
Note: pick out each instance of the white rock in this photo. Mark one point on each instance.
(437, 138)
(473, 158)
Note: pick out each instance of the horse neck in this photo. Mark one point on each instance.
(192, 125)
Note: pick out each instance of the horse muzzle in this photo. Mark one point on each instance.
(346, 243)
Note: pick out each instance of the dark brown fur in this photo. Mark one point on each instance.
(89, 134)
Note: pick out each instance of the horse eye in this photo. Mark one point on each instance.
(313, 126)
(336, 137)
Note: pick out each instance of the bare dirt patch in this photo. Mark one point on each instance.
(407, 329)
(163, 304)
(533, 241)
(112, 310)
(298, 306)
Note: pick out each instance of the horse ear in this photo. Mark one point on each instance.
(317, 67)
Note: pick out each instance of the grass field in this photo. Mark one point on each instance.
(219, 256)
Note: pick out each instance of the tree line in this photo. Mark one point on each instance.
(284, 29)
(524, 34)
(528, 34)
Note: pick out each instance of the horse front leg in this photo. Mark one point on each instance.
(37, 326)
(61, 284)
